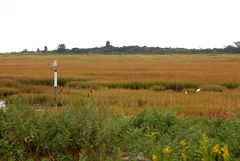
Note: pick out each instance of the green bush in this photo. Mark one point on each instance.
(63, 132)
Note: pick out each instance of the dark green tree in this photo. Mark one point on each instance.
(237, 44)
(108, 44)
(61, 47)
(45, 48)
(231, 49)
(24, 51)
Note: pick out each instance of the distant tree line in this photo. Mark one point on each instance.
(109, 49)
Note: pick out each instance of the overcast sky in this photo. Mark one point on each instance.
(32, 24)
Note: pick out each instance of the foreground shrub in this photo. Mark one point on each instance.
(62, 132)
(90, 133)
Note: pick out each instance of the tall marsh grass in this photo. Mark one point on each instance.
(83, 85)
(5, 92)
(175, 86)
(7, 82)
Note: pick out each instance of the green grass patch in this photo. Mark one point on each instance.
(39, 100)
(31, 99)
(179, 86)
(83, 85)
(213, 88)
(31, 89)
(133, 85)
(49, 82)
(231, 85)
(175, 86)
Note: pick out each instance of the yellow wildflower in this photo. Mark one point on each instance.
(166, 150)
(225, 153)
(155, 133)
(183, 143)
(216, 149)
(154, 157)
(148, 135)
(184, 157)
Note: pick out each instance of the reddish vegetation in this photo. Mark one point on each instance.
(209, 114)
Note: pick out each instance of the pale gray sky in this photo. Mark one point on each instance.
(32, 24)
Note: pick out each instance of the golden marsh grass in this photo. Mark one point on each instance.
(195, 69)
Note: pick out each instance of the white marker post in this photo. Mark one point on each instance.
(55, 85)
(54, 68)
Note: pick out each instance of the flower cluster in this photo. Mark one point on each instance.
(221, 153)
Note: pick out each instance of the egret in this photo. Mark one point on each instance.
(198, 90)
(54, 65)
(2, 104)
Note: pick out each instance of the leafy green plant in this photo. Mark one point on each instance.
(203, 151)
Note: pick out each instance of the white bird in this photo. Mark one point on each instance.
(198, 90)
(185, 92)
(54, 65)
(2, 105)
